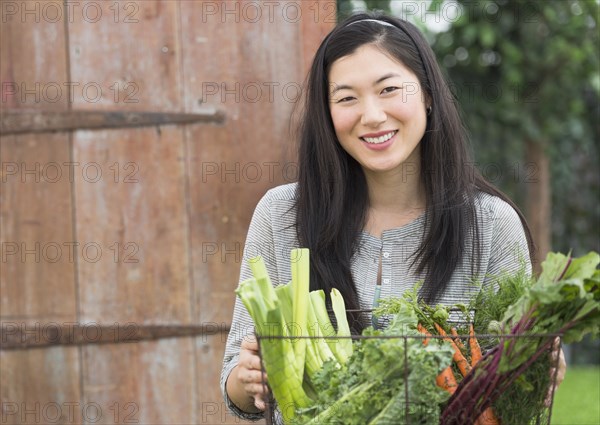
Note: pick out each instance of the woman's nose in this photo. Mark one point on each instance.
(373, 114)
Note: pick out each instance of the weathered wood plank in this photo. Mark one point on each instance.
(254, 80)
(137, 214)
(33, 64)
(253, 69)
(144, 382)
(320, 19)
(40, 386)
(37, 273)
(128, 58)
(37, 277)
(131, 214)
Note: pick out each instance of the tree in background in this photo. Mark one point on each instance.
(346, 7)
(527, 77)
(526, 74)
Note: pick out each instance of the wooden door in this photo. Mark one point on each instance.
(119, 230)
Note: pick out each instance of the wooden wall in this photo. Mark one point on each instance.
(156, 238)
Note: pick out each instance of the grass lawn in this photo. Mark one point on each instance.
(577, 401)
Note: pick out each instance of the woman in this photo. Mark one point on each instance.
(387, 194)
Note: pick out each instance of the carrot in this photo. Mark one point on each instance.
(424, 331)
(475, 348)
(446, 380)
(487, 417)
(457, 340)
(458, 357)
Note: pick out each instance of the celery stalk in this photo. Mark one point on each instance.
(312, 361)
(344, 348)
(300, 287)
(259, 268)
(317, 299)
(317, 342)
(279, 353)
(264, 307)
(284, 294)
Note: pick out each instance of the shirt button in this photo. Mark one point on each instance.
(386, 255)
(386, 281)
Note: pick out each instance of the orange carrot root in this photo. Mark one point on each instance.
(458, 357)
(457, 340)
(488, 418)
(475, 348)
(424, 331)
(446, 380)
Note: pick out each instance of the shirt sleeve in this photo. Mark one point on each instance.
(259, 241)
(509, 249)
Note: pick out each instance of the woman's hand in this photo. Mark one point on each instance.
(558, 359)
(560, 362)
(250, 378)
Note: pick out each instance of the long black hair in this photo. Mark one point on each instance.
(332, 199)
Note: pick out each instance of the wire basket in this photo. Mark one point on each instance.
(525, 401)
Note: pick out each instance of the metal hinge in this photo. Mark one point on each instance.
(14, 336)
(17, 122)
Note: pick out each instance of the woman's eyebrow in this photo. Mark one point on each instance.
(379, 80)
(386, 76)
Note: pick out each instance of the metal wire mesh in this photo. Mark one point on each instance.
(526, 401)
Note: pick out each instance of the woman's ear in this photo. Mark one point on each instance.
(428, 100)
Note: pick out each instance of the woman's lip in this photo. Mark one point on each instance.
(379, 146)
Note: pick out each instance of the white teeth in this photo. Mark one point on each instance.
(380, 139)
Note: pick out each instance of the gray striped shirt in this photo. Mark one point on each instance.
(272, 235)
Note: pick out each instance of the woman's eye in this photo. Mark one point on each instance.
(345, 99)
(390, 89)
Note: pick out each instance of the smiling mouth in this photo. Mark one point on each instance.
(381, 139)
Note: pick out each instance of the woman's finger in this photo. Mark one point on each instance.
(254, 363)
(253, 377)
(557, 371)
(259, 403)
(257, 390)
(558, 358)
(562, 368)
(250, 343)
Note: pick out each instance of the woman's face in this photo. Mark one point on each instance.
(378, 111)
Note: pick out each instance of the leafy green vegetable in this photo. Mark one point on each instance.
(385, 368)
(426, 315)
(564, 300)
(525, 399)
(492, 301)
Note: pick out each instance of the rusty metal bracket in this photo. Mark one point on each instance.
(15, 336)
(17, 122)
